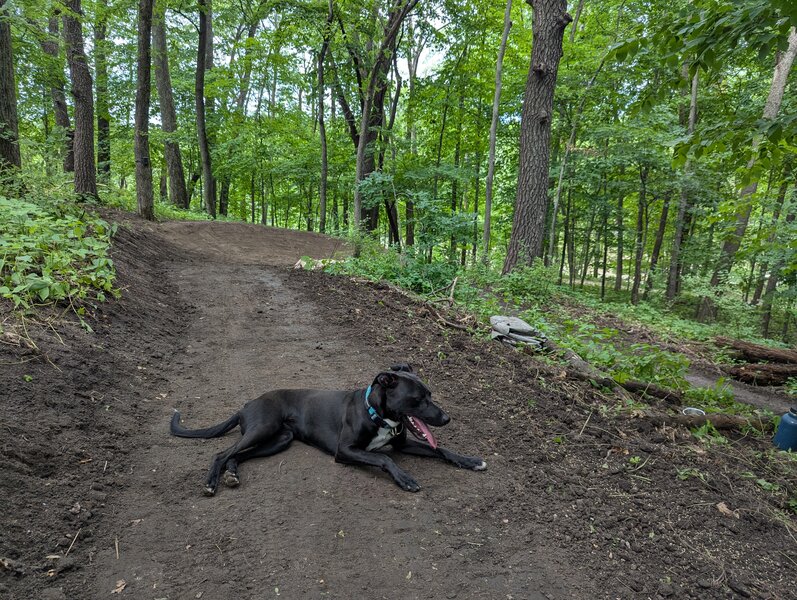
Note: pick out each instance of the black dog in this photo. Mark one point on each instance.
(347, 424)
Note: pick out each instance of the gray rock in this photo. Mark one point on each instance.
(515, 324)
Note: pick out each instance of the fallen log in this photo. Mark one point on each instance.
(756, 352)
(718, 420)
(581, 369)
(763, 374)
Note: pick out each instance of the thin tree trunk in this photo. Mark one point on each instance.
(707, 309)
(488, 197)
(224, 196)
(772, 283)
(322, 130)
(618, 280)
(171, 147)
(50, 46)
(144, 194)
(371, 100)
(638, 238)
(103, 108)
(549, 20)
(674, 274)
(605, 252)
(787, 169)
(654, 258)
(208, 196)
(9, 127)
(574, 28)
(571, 142)
(85, 173)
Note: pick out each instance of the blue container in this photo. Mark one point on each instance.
(786, 436)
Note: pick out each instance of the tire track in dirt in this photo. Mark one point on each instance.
(300, 526)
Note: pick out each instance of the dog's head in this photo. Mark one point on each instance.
(406, 398)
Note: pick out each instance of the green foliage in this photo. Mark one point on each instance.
(53, 252)
(602, 347)
(403, 269)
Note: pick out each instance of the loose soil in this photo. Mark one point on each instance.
(581, 500)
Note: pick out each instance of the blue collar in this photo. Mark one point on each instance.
(375, 416)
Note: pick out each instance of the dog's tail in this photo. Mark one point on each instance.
(209, 432)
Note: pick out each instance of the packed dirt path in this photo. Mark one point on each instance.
(582, 498)
(299, 526)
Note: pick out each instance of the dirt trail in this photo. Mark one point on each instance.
(300, 526)
(581, 500)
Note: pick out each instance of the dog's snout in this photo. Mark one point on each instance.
(445, 419)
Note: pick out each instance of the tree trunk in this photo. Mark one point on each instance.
(674, 274)
(638, 238)
(224, 196)
(322, 130)
(571, 142)
(781, 198)
(144, 195)
(488, 197)
(85, 173)
(50, 46)
(574, 28)
(618, 280)
(208, 195)
(549, 20)
(103, 108)
(373, 101)
(171, 147)
(751, 352)
(772, 283)
(707, 309)
(654, 258)
(9, 127)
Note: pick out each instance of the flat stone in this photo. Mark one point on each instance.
(515, 324)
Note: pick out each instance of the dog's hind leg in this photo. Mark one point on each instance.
(253, 438)
(273, 446)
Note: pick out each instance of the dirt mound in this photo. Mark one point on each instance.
(579, 501)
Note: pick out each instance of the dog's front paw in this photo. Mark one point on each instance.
(407, 483)
(471, 462)
(209, 490)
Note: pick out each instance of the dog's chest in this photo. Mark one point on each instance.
(384, 435)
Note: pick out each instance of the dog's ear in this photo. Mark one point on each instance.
(406, 368)
(387, 380)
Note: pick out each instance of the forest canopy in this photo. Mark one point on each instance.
(636, 149)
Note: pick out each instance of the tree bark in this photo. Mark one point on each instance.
(769, 293)
(488, 194)
(373, 99)
(50, 47)
(639, 235)
(144, 193)
(674, 274)
(101, 86)
(618, 280)
(707, 309)
(208, 196)
(9, 127)
(751, 352)
(763, 374)
(85, 173)
(322, 130)
(654, 257)
(574, 28)
(178, 193)
(571, 142)
(549, 20)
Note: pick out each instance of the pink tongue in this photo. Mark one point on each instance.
(425, 429)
